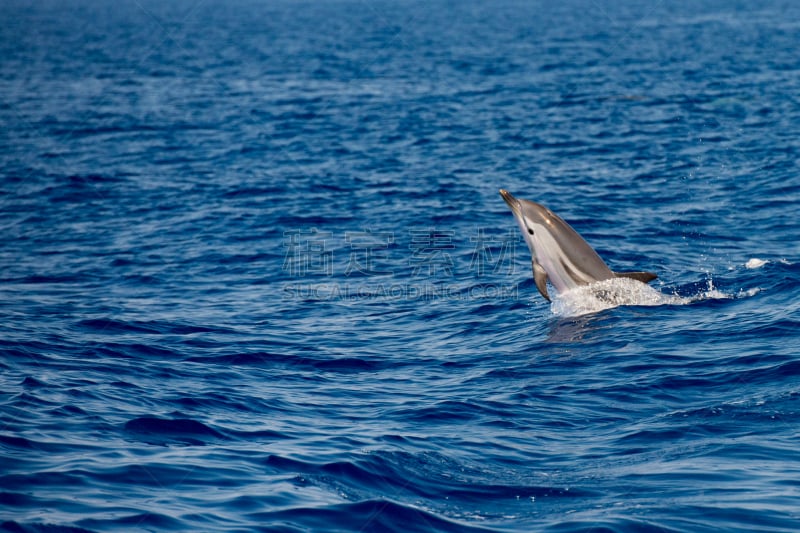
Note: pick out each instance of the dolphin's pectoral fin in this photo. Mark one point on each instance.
(540, 277)
(644, 277)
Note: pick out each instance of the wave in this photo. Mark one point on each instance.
(37, 527)
(189, 432)
(378, 514)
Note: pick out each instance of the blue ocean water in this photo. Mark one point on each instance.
(256, 275)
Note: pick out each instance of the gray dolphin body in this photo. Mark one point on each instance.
(558, 253)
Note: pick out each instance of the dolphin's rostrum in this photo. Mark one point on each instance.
(558, 253)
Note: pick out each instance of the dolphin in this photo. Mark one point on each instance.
(558, 253)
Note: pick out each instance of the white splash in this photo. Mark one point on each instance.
(611, 293)
(749, 292)
(615, 292)
(711, 293)
(755, 263)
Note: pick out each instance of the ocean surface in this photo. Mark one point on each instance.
(256, 274)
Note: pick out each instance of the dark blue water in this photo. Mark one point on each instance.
(256, 275)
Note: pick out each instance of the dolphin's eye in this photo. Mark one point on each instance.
(530, 231)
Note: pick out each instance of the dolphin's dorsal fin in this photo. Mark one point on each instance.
(644, 277)
(540, 277)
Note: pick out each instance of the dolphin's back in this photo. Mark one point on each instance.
(572, 261)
